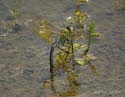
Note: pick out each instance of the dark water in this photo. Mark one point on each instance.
(24, 65)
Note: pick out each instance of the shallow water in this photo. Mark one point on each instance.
(24, 65)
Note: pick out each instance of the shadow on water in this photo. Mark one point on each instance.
(70, 84)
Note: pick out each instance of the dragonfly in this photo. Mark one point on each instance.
(47, 30)
(59, 38)
(56, 36)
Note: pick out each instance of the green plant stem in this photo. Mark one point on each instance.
(63, 50)
(72, 46)
(86, 51)
(68, 52)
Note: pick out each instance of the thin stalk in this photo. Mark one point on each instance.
(68, 52)
(73, 61)
(72, 46)
(86, 51)
(63, 50)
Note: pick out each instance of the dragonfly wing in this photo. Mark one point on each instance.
(37, 22)
(44, 28)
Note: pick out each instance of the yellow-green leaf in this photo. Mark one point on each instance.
(83, 0)
(76, 45)
(80, 61)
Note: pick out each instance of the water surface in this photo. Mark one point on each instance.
(24, 65)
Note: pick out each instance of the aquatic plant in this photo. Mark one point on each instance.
(124, 3)
(14, 9)
(73, 43)
(69, 47)
(118, 4)
(15, 12)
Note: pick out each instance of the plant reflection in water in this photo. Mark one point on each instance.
(70, 84)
